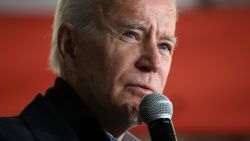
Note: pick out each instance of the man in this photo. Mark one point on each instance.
(108, 54)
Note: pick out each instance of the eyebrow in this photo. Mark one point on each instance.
(132, 24)
(135, 25)
(171, 39)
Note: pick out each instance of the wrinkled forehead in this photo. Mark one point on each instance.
(134, 7)
(161, 13)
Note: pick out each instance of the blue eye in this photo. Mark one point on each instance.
(164, 46)
(130, 35)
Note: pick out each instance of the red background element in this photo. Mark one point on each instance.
(209, 83)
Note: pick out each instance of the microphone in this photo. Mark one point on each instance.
(156, 111)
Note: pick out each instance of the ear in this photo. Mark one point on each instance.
(67, 46)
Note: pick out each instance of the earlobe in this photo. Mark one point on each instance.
(67, 45)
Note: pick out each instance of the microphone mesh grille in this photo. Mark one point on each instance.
(155, 106)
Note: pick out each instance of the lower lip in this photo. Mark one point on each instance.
(139, 90)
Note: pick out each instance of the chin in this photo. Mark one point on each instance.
(134, 118)
(129, 111)
(135, 121)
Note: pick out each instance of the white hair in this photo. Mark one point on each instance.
(79, 14)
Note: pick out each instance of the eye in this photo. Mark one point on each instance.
(165, 46)
(130, 34)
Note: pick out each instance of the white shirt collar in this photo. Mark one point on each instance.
(127, 137)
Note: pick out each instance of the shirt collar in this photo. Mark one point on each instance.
(127, 137)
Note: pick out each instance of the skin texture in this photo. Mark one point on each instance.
(127, 57)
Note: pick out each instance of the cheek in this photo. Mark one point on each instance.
(120, 68)
(93, 68)
(122, 59)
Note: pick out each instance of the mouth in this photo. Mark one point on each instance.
(140, 89)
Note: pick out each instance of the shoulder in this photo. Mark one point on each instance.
(14, 128)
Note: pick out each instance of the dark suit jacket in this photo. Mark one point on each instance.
(60, 115)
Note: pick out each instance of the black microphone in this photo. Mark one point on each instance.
(156, 111)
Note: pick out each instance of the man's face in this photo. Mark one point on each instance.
(127, 57)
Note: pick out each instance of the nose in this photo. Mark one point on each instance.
(150, 59)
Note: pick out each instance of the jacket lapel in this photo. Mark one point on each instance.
(45, 124)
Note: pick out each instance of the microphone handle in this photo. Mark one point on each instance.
(162, 130)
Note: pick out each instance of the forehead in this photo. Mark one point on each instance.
(137, 4)
(161, 13)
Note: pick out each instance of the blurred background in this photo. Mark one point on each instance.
(209, 83)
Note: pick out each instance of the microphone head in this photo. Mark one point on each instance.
(155, 106)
